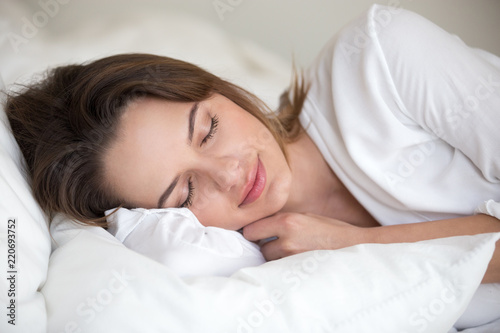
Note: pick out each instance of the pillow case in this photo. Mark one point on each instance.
(407, 287)
(24, 242)
(176, 238)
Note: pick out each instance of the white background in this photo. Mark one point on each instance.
(301, 27)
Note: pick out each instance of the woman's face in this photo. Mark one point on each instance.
(212, 156)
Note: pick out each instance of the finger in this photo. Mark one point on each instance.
(280, 248)
(272, 250)
(261, 229)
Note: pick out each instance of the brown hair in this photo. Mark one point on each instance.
(64, 123)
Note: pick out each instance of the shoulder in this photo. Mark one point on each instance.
(380, 35)
(389, 32)
(361, 60)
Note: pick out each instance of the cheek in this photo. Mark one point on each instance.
(217, 213)
(216, 217)
(212, 209)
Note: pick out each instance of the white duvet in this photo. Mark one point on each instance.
(82, 279)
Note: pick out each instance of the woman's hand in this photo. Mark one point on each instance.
(302, 232)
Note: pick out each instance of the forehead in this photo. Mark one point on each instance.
(145, 109)
(149, 121)
(150, 133)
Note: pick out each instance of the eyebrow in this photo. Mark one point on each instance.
(167, 192)
(192, 120)
(170, 188)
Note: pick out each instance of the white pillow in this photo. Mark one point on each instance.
(24, 240)
(410, 287)
(175, 237)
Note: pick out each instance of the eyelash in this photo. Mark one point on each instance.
(189, 200)
(211, 133)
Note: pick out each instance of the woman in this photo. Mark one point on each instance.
(395, 125)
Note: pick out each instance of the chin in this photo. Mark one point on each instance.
(278, 199)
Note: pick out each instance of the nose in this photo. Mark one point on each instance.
(225, 172)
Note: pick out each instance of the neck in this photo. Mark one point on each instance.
(317, 190)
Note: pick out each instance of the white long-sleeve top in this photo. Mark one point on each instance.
(408, 117)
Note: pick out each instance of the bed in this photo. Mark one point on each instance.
(83, 279)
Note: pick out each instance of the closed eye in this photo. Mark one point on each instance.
(189, 200)
(212, 131)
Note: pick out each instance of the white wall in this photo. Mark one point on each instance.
(301, 27)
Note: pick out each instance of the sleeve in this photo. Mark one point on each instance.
(446, 87)
(490, 208)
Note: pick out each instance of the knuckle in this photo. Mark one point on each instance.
(289, 220)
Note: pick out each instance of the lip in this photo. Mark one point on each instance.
(256, 181)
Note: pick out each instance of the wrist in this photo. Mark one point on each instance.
(372, 235)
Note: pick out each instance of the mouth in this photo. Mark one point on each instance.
(256, 181)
